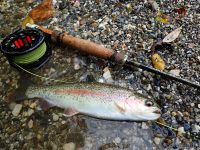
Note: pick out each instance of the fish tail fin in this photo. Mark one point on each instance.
(18, 94)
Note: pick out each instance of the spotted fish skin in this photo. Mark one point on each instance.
(97, 100)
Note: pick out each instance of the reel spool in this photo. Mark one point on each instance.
(27, 48)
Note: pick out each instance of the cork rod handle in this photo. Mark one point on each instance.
(86, 46)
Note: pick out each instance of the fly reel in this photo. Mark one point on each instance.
(27, 48)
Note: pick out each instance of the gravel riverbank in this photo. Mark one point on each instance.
(127, 26)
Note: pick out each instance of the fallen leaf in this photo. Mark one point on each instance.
(181, 11)
(43, 11)
(162, 18)
(28, 19)
(172, 36)
(158, 62)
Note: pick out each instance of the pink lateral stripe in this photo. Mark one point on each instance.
(80, 92)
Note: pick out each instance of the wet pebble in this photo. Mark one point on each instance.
(29, 136)
(12, 105)
(107, 75)
(144, 125)
(30, 124)
(175, 72)
(30, 112)
(195, 128)
(55, 117)
(117, 140)
(173, 113)
(17, 109)
(33, 105)
(157, 140)
(69, 146)
(181, 131)
(186, 126)
(77, 63)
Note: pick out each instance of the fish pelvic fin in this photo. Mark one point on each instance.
(69, 112)
(44, 105)
(120, 108)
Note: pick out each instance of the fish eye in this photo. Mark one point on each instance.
(149, 103)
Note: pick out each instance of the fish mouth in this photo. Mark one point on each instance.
(158, 111)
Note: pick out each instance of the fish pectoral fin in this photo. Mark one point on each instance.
(70, 112)
(120, 108)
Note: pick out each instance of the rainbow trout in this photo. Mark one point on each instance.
(97, 100)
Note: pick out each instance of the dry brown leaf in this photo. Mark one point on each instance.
(43, 11)
(181, 11)
(158, 62)
(172, 36)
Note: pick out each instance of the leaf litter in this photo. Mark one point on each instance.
(182, 11)
(158, 62)
(173, 35)
(162, 18)
(41, 12)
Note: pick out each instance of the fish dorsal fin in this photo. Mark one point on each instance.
(70, 112)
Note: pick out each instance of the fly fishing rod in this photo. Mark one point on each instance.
(34, 55)
(97, 50)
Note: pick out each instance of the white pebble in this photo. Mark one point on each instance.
(157, 140)
(76, 62)
(175, 72)
(181, 130)
(30, 124)
(149, 87)
(101, 80)
(30, 111)
(192, 104)
(55, 117)
(69, 146)
(117, 140)
(198, 58)
(107, 75)
(17, 109)
(144, 125)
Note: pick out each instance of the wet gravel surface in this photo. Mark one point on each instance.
(126, 26)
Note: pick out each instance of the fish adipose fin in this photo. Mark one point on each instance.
(70, 112)
(120, 108)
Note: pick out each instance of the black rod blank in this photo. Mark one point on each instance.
(130, 65)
